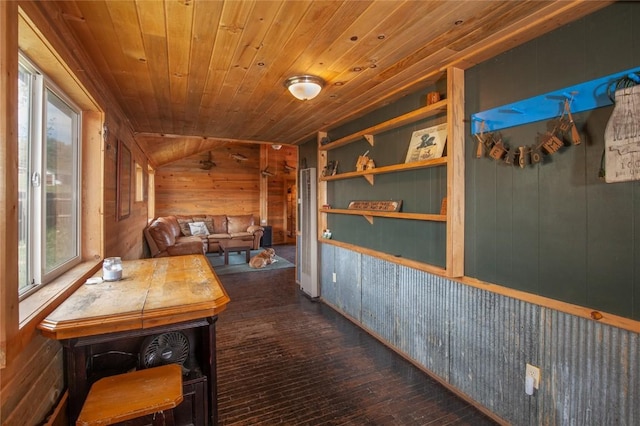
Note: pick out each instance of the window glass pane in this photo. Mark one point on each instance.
(60, 178)
(139, 182)
(24, 132)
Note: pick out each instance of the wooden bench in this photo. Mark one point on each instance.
(128, 396)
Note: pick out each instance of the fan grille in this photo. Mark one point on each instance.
(165, 348)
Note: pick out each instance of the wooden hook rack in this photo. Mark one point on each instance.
(583, 97)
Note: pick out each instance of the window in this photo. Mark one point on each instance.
(48, 180)
(139, 183)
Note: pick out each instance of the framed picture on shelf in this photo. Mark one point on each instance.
(427, 144)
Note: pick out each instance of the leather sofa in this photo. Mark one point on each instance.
(172, 235)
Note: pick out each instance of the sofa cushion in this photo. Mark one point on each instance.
(184, 225)
(162, 235)
(219, 224)
(241, 234)
(172, 225)
(219, 236)
(239, 223)
(187, 245)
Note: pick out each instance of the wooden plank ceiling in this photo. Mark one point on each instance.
(216, 69)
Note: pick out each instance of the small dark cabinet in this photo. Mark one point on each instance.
(267, 240)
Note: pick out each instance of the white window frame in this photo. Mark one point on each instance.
(36, 249)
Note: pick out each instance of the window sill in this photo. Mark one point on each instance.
(38, 305)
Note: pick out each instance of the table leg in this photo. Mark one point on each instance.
(226, 256)
(209, 366)
(248, 255)
(75, 359)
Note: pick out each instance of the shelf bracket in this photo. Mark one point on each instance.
(582, 97)
(369, 179)
(369, 139)
(369, 218)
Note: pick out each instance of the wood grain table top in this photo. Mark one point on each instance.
(152, 292)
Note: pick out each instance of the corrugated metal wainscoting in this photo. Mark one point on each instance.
(479, 342)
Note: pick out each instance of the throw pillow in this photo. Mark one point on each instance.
(184, 226)
(198, 228)
(209, 224)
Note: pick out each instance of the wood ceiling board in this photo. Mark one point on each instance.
(153, 28)
(400, 27)
(270, 89)
(103, 28)
(215, 47)
(178, 48)
(101, 41)
(225, 74)
(206, 17)
(350, 76)
(75, 18)
(247, 53)
(308, 29)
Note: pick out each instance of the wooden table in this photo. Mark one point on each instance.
(155, 296)
(235, 245)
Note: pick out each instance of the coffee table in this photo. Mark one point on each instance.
(235, 245)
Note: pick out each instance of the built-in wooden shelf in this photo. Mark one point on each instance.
(408, 118)
(452, 107)
(368, 174)
(370, 214)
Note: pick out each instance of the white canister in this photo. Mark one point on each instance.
(112, 269)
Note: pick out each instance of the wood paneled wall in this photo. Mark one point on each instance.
(278, 187)
(229, 187)
(120, 237)
(32, 381)
(232, 186)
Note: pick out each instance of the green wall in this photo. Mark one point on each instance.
(421, 191)
(556, 229)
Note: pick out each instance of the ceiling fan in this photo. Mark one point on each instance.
(287, 168)
(266, 172)
(208, 163)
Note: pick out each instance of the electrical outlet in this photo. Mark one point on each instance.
(334, 277)
(533, 371)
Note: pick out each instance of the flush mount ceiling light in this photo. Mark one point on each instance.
(304, 87)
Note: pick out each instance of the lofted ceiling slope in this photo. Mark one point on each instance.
(215, 69)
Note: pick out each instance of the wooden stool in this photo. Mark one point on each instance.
(127, 396)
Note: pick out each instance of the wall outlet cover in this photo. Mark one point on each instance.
(533, 371)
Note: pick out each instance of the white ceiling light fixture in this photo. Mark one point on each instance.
(304, 87)
(276, 146)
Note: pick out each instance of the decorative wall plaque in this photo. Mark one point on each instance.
(380, 206)
(427, 144)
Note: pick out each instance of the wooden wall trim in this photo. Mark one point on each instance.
(455, 173)
(264, 186)
(322, 185)
(8, 179)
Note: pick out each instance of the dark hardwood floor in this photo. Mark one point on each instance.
(284, 359)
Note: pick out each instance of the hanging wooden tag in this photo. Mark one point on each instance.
(497, 151)
(575, 136)
(550, 143)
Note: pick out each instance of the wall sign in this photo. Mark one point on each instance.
(622, 137)
(383, 206)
